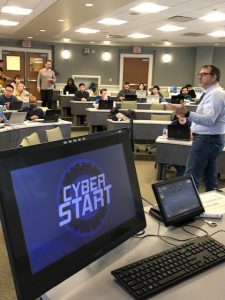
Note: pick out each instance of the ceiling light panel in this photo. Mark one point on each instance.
(138, 36)
(214, 17)
(170, 28)
(111, 21)
(15, 10)
(219, 33)
(87, 30)
(148, 8)
(8, 23)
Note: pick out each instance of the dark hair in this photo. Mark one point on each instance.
(188, 85)
(17, 76)
(80, 84)
(9, 85)
(156, 87)
(48, 60)
(142, 84)
(214, 71)
(1, 60)
(103, 90)
(70, 79)
(126, 83)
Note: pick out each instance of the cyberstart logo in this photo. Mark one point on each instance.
(84, 197)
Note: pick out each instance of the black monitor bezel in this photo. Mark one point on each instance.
(181, 218)
(30, 286)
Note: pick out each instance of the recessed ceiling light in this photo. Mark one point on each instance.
(42, 30)
(87, 30)
(66, 40)
(14, 10)
(138, 36)
(214, 17)
(219, 33)
(8, 23)
(107, 42)
(167, 43)
(92, 42)
(89, 4)
(169, 28)
(148, 8)
(29, 37)
(61, 20)
(111, 21)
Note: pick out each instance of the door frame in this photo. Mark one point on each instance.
(150, 66)
(25, 50)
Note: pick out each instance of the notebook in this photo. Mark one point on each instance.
(177, 132)
(17, 117)
(105, 104)
(15, 105)
(178, 200)
(153, 99)
(130, 97)
(52, 115)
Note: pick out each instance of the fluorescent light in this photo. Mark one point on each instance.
(29, 37)
(219, 33)
(92, 42)
(87, 30)
(148, 8)
(42, 30)
(167, 43)
(138, 36)
(169, 28)
(66, 40)
(214, 17)
(89, 4)
(8, 23)
(106, 42)
(111, 21)
(61, 20)
(15, 10)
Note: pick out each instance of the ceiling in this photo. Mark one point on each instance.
(75, 14)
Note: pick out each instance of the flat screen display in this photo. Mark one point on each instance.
(64, 204)
(178, 200)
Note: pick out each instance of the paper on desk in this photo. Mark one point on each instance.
(213, 202)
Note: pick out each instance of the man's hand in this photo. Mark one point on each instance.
(179, 109)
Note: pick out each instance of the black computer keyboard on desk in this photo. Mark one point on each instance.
(153, 274)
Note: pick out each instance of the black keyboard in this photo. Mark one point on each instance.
(146, 277)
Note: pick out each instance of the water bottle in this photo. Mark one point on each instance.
(165, 132)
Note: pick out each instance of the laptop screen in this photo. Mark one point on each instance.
(105, 104)
(178, 199)
(130, 97)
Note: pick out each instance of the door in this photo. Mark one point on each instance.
(34, 62)
(25, 64)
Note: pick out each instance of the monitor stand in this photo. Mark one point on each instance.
(155, 213)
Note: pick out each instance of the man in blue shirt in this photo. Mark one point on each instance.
(33, 112)
(3, 118)
(208, 128)
(7, 96)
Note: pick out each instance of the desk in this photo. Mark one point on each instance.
(174, 152)
(78, 109)
(11, 136)
(64, 102)
(191, 107)
(96, 117)
(144, 130)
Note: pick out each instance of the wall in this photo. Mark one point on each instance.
(183, 68)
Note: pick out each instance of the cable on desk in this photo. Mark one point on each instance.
(144, 199)
(218, 231)
(193, 226)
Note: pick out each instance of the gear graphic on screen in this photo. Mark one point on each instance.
(81, 170)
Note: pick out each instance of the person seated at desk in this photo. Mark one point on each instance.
(70, 87)
(3, 118)
(7, 96)
(33, 111)
(125, 91)
(183, 95)
(103, 96)
(155, 91)
(17, 79)
(191, 91)
(81, 95)
(21, 93)
(180, 121)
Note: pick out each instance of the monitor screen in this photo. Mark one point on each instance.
(65, 204)
(178, 199)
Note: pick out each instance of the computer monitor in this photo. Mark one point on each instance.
(66, 203)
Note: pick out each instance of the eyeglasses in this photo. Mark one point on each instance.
(204, 74)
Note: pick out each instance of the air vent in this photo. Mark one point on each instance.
(134, 13)
(180, 19)
(193, 34)
(115, 36)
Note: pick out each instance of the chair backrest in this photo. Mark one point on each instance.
(32, 139)
(156, 117)
(157, 106)
(54, 134)
(129, 104)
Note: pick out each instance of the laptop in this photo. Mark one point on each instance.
(177, 132)
(52, 115)
(104, 104)
(178, 200)
(176, 99)
(130, 97)
(17, 118)
(141, 93)
(15, 105)
(153, 99)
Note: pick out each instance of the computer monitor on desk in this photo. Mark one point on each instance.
(81, 199)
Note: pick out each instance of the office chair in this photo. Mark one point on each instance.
(129, 105)
(30, 140)
(54, 134)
